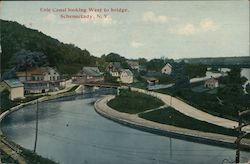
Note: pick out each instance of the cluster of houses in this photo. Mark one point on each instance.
(47, 79)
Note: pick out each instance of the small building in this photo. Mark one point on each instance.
(134, 64)
(40, 80)
(211, 83)
(15, 87)
(167, 69)
(126, 76)
(114, 68)
(88, 75)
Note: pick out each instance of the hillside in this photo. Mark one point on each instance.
(66, 57)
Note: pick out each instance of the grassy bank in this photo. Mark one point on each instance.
(29, 156)
(172, 117)
(6, 103)
(5, 158)
(134, 102)
(207, 102)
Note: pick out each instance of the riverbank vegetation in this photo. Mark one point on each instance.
(134, 102)
(29, 156)
(224, 101)
(172, 117)
(5, 158)
(6, 103)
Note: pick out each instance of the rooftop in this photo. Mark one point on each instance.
(92, 71)
(128, 72)
(34, 71)
(13, 83)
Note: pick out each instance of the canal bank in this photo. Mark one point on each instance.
(71, 131)
(134, 121)
(15, 151)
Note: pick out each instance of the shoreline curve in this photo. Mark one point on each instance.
(136, 122)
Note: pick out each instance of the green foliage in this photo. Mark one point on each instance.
(155, 64)
(5, 158)
(16, 37)
(6, 103)
(134, 102)
(165, 79)
(142, 61)
(248, 88)
(170, 116)
(110, 79)
(195, 70)
(32, 158)
(113, 57)
(209, 102)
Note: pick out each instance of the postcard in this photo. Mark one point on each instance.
(125, 82)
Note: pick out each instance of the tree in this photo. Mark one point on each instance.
(26, 59)
(155, 64)
(195, 70)
(142, 61)
(113, 57)
(234, 75)
(248, 88)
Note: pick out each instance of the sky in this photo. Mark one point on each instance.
(149, 29)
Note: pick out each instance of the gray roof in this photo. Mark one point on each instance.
(13, 83)
(116, 65)
(92, 71)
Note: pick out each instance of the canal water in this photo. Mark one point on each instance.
(70, 131)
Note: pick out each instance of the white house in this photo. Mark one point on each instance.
(211, 83)
(167, 69)
(40, 80)
(114, 68)
(126, 76)
(15, 87)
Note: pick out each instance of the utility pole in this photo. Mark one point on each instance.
(241, 134)
(36, 126)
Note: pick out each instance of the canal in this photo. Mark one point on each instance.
(70, 131)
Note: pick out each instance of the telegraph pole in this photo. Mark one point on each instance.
(36, 126)
(241, 134)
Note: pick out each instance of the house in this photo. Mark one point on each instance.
(126, 76)
(211, 83)
(88, 75)
(114, 68)
(134, 64)
(167, 69)
(15, 87)
(40, 80)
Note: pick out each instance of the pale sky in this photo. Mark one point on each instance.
(149, 29)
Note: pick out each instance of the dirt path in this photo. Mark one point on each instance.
(102, 108)
(11, 151)
(191, 111)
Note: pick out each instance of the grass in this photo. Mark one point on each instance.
(206, 101)
(5, 158)
(134, 102)
(30, 156)
(6, 103)
(172, 117)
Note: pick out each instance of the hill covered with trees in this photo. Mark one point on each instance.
(16, 38)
